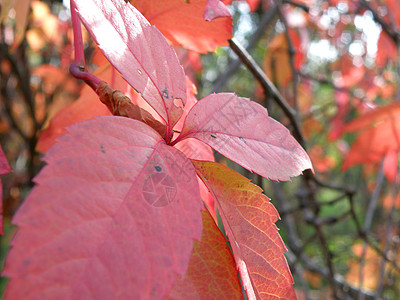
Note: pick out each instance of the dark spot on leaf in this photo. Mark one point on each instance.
(213, 136)
(165, 94)
(158, 168)
(102, 148)
(242, 139)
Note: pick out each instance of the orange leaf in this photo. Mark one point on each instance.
(370, 274)
(276, 61)
(389, 201)
(211, 273)
(386, 50)
(21, 20)
(52, 77)
(178, 20)
(249, 219)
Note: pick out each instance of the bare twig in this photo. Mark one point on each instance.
(266, 19)
(388, 235)
(291, 52)
(297, 4)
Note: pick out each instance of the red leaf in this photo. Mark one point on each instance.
(242, 131)
(4, 166)
(249, 219)
(52, 77)
(390, 165)
(212, 272)
(139, 52)
(386, 50)
(4, 169)
(253, 4)
(372, 118)
(215, 9)
(350, 74)
(112, 216)
(380, 134)
(178, 20)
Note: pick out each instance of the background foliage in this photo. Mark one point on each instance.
(328, 63)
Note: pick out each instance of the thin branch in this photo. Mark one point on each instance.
(291, 52)
(339, 280)
(297, 4)
(388, 234)
(374, 199)
(266, 19)
(24, 81)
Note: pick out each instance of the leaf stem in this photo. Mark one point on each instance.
(78, 67)
(78, 43)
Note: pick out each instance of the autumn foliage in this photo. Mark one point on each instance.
(143, 141)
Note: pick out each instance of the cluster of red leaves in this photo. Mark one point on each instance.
(124, 202)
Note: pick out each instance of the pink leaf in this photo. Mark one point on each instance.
(4, 169)
(139, 52)
(215, 9)
(242, 131)
(112, 216)
(4, 166)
